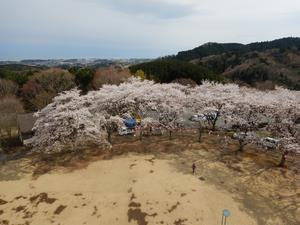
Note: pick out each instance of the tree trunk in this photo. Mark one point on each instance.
(75, 144)
(170, 134)
(215, 122)
(241, 145)
(214, 126)
(200, 133)
(109, 137)
(141, 133)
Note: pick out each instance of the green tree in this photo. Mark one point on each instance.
(168, 70)
(83, 77)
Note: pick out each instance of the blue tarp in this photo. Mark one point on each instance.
(130, 123)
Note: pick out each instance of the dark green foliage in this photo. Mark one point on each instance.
(83, 77)
(282, 44)
(17, 73)
(167, 70)
(19, 77)
(284, 80)
(219, 63)
(210, 49)
(20, 67)
(251, 75)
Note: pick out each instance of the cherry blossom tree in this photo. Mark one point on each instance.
(65, 125)
(213, 115)
(73, 119)
(110, 124)
(148, 124)
(245, 119)
(285, 127)
(245, 110)
(91, 118)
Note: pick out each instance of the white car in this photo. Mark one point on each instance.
(198, 118)
(240, 135)
(125, 131)
(211, 115)
(270, 142)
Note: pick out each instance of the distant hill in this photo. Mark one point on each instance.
(260, 64)
(274, 66)
(213, 48)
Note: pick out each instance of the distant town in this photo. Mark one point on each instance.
(90, 62)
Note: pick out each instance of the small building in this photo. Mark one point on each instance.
(25, 125)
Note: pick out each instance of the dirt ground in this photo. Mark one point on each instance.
(150, 182)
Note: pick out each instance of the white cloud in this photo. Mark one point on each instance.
(141, 26)
(164, 9)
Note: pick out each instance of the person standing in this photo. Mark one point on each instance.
(194, 168)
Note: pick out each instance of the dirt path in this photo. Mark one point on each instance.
(133, 189)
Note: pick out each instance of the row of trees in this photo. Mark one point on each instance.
(90, 79)
(18, 73)
(90, 119)
(41, 86)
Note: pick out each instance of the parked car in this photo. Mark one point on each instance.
(198, 118)
(270, 142)
(125, 131)
(211, 115)
(239, 135)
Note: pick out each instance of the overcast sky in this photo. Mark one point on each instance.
(137, 28)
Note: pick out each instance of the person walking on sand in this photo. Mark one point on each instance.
(194, 168)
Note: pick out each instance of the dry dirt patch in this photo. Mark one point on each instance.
(154, 185)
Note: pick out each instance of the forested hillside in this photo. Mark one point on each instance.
(261, 64)
(168, 70)
(219, 48)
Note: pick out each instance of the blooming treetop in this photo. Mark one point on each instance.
(64, 123)
(88, 118)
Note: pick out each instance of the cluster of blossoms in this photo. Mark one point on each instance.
(73, 119)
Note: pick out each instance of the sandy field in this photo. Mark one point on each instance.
(150, 182)
(129, 189)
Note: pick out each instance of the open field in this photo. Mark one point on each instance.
(150, 182)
